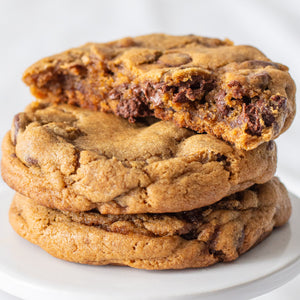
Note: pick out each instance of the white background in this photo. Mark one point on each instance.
(30, 30)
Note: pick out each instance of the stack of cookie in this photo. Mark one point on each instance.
(154, 152)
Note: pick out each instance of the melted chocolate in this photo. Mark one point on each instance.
(138, 103)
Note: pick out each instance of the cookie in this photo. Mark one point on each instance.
(199, 238)
(76, 159)
(233, 92)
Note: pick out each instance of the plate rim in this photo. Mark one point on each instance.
(270, 280)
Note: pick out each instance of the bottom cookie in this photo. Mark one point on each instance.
(198, 238)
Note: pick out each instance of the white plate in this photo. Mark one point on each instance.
(28, 272)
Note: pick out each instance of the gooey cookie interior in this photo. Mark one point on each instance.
(233, 92)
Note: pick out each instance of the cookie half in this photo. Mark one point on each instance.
(208, 85)
(199, 238)
(75, 159)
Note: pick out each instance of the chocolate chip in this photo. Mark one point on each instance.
(213, 240)
(20, 122)
(276, 128)
(133, 108)
(187, 94)
(219, 254)
(260, 80)
(181, 96)
(237, 90)
(268, 117)
(278, 101)
(31, 161)
(270, 146)
(223, 109)
(250, 115)
(191, 90)
(116, 93)
(141, 96)
(153, 92)
(262, 63)
(16, 123)
(137, 105)
(240, 240)
(253, 110)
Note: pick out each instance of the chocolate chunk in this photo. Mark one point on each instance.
(181, 96)
(183, 92)
(250, 114)
(133, 108)
(213, 239)
(191, 90)
(275, 127)
(255, 109)
(278, 102)
(186, 94)
(237, 90)
(31, 161)
(271, 145)
(260, 80)
(137, 106)
(268, 117)
(218, 253)
(262, 63)
(223, 109)
(116, 93)
(20, 122)
(240, 240)
(16, 123)
(154, 92)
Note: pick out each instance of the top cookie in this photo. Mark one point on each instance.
(208, 85)
(75, 159)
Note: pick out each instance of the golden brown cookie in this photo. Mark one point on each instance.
(208, 85)
(199, 238)
(75, 159)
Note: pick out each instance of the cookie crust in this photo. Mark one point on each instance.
(220, 232)
(231, 91)
(75, 159)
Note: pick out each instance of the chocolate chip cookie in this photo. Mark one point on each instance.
(199, 238)
(76, 159)
(233, 92)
